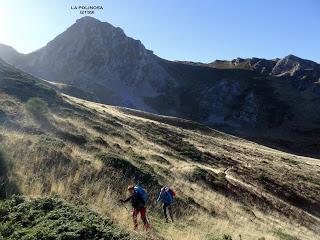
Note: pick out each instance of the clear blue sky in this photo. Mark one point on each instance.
(196, 30)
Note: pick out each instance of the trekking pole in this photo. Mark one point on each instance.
(148, 219)
(125, 207)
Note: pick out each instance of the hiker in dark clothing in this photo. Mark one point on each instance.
(138, 206)
(166, 195)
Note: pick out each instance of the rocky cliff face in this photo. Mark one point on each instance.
(241, 94)
(292, 65)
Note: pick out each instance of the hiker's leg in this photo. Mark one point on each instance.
(143, 213)
(134, 218)
(170, 212)
(165, 211)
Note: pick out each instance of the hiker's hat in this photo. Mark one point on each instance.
(164, 189)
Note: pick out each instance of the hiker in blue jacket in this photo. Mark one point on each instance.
(166, 195)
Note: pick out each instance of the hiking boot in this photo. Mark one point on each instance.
(147, 226)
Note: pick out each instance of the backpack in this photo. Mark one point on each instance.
(171, 193)
(142, 193)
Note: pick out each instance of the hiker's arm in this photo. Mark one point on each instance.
(160, 197)
(127, 200)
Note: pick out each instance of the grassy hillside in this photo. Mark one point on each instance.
(87, 153)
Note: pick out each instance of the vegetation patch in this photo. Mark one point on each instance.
(219, 183)
(7, 187)
(219, 237)
(3, 116)
(125, 168)
(287, 192)
(290, 161)
(284, 236)
(185, 149)
(160, 159)
(24, 86)
(100, 141)
(53, 218)
(213, 180)
(114, 122)
(101, 128)
(37, 107)
(74, 138)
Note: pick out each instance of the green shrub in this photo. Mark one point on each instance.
(160, 159)
(211, 179)
(7, 186)
(284, 236)
(75, 138)
(37, 107)
(226, 237)
(141, 174)
(53, 218)
(100, 141)
(219, 237)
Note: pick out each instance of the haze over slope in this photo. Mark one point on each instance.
(88, 152)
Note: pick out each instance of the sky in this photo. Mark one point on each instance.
(194, 30)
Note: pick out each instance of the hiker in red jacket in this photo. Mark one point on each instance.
(138, 199)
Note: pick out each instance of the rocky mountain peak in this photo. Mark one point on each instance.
(291, 65)
(95, 25)
(87, 19)
(100, 58)
(97, 48)
(88, 31)
(292, 57)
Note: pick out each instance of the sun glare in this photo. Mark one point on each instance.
(3, 22)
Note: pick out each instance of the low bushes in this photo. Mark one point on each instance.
(53, 218)
(37, 107)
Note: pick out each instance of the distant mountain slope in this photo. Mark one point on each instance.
(277, 100)
(9, 53)
(305, 72)
(88, 153)
(41, 87)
